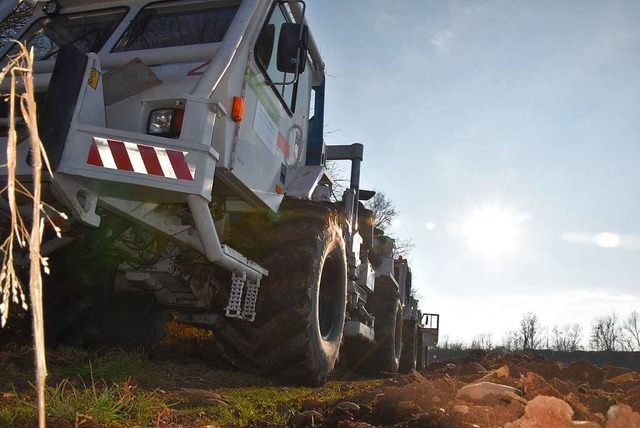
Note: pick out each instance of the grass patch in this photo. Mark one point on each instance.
(77, 364)
(98, 404)
(270, 405)
(15, 411)
(91, 390)
(115, 405)
(115, 367)
(100, 389)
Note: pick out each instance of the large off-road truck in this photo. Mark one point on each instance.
(419, 330)
(186, 141)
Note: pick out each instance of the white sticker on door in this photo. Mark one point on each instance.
(265, 128)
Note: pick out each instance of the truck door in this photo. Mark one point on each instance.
(271, 135)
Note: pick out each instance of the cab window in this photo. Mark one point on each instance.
(177, 23)
(87, 31)
(266, 53)
(13, 25)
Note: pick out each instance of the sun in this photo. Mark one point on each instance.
(491, 232)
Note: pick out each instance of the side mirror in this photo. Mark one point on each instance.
(290, 43)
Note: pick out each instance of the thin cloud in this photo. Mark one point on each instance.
(381, 20)
(442, 40)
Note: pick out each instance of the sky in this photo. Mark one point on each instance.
(507, 134)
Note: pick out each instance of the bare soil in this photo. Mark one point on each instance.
(483, 390)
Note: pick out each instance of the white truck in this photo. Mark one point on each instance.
(186, 140)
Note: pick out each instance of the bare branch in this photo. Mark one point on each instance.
(567, 337)
(631, 329)
(20, 67)
(606, 334)
(530, 331)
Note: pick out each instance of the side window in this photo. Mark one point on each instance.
(266, 53)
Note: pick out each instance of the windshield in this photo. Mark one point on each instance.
(14, 23)
(86, 31)
(164, 25)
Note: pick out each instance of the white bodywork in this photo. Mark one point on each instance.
(250, 154)
(253, 161)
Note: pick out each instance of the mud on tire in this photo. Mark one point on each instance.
(409, 354)
(385, 305)
(301, 304)
(422, 352)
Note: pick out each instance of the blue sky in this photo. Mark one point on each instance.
(532, 106)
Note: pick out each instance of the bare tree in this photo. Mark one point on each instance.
(530, 331)
(512, 340)
(567, 337)
(606, 334)
(340, 182)
(384, 213)
(384, 210)
(443, 343)
(456, 344)
(482, 341)
(446, 343)
(631, 330)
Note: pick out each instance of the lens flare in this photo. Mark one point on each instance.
(607, 240)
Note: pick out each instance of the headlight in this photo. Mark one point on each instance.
(52, 8)
(165, 122)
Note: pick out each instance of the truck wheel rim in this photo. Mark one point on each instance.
(330, 295)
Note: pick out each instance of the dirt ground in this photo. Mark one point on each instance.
(484, 390)
(512, 391)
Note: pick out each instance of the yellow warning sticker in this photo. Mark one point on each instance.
(94, 78)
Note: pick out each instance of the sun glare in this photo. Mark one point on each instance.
(491, 232)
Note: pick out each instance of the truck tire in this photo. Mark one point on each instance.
(385, 305)
(82, 308)
(67, 305)
(421, 357)
(301, 306)
(123, 318)
(409, 354)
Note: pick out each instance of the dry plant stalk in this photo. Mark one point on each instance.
(21, 66)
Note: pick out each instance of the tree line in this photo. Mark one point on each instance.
(608, 333)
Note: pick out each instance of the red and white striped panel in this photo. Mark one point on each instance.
(139, 158)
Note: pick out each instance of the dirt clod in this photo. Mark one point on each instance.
(479, 391)
(308, 419)
(622, 416)
(312, 403)
(535, 385)
(348, 406)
